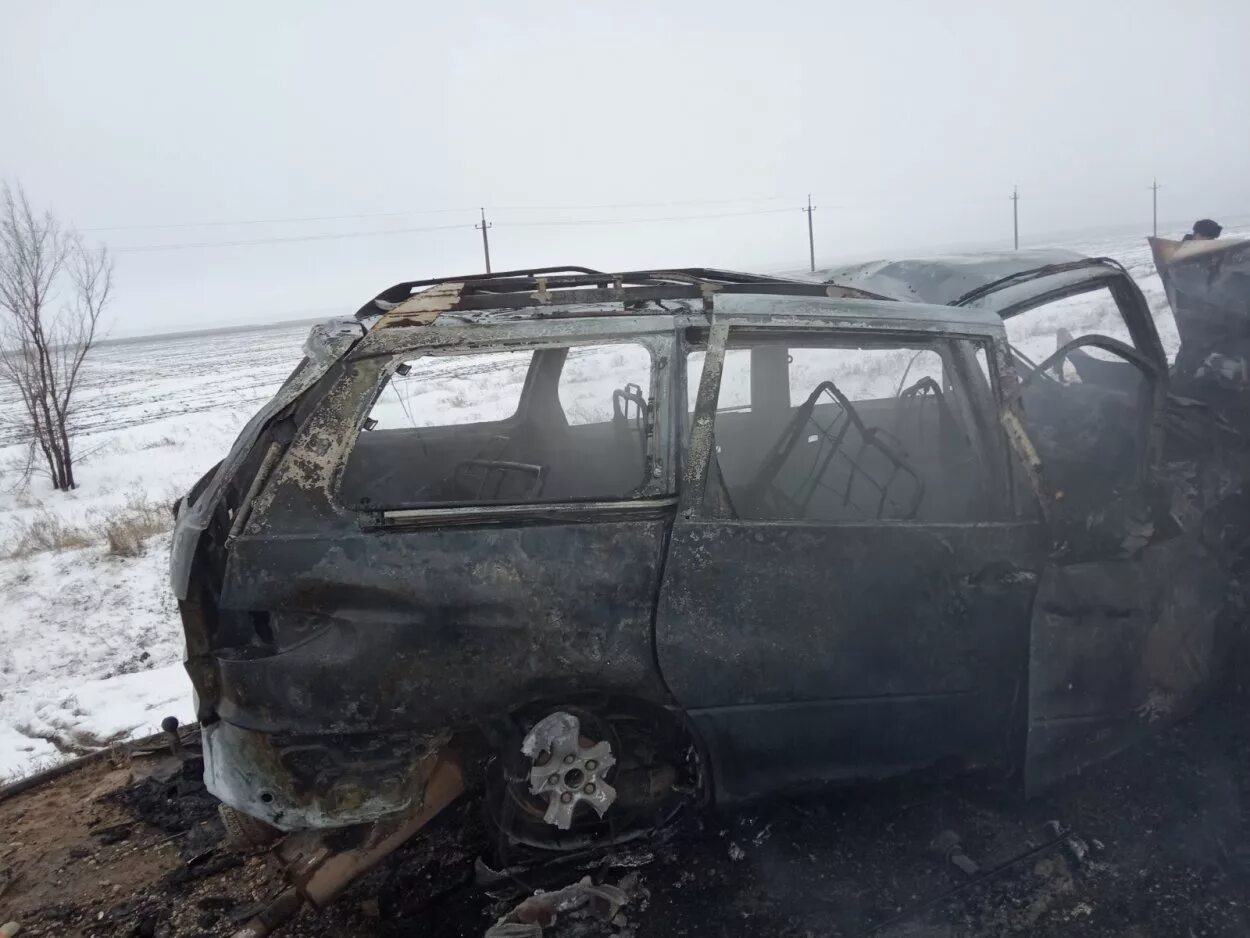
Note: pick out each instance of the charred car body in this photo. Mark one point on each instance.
(632, 541)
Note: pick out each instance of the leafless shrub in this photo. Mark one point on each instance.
(125, 531)
(45, 336)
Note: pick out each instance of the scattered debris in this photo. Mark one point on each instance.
(486, 876)
(736, 853)
(1077, 849)
(244, 832)
(112, 833)
(113, 781)
(540, 910)
(949, 847)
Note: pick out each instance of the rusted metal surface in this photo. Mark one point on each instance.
(293, 782)
(320, 872)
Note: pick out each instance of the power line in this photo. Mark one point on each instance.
(423, 211)
(573, 222)
(564, 208)
(144, 248)
(275, 221)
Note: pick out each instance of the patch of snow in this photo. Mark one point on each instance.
(21, 754)
(95, 713)
(85, 639)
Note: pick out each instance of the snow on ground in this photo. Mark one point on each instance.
(90, 643)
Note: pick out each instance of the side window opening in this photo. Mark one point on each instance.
(838, 431)
(587, 372)
(507, 427)
(1088, 432)
(1083, 413)
(452, 390)
(735, 380)
(1036, 333)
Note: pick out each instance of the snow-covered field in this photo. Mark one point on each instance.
(90, 642)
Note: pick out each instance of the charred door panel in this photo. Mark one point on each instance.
(1117, 646)
(839, 651)
(420, 628)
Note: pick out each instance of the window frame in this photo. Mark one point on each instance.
(659, 488)
(985, 403)
(394, 365)
(1134, 310)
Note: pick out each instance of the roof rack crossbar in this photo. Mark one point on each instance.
(562, 286)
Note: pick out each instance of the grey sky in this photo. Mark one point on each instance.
(908, 122)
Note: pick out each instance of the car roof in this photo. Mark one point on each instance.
(573, 302)
(947, 280)
(770, 307)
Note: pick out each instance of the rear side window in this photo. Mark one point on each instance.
(600, 381)
(839, 431)
(507, 427)
(453, 390)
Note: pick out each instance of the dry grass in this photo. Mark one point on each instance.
(167, 440)
(45, 531)
(125, 531)
(122, 531)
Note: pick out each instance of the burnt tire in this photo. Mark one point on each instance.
(647, 743)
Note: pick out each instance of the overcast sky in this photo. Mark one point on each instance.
(908, 122)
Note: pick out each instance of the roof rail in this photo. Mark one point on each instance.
(548, 286)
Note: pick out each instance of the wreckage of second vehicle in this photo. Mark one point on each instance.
(604, 545)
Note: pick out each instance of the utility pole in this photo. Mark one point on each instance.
(485, 241)
(1154, 205)
(1015, 216)
(811, 237)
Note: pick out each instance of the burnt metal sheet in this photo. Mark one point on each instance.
(452, 336)
(942, 280)
(1208, 286)
(423, 628)
(1117, 647)
(326, 343)
(849, 313)
(845, 640)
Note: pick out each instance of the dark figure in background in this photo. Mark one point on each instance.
(1204, 230)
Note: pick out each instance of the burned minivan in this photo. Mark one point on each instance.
(602, 546)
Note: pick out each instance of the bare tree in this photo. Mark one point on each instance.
(53, 290)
